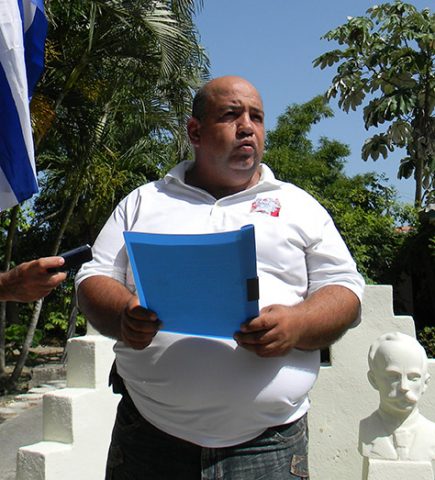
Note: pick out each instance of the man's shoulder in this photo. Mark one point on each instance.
(144, 189)
(161, 184)
(298, 196)
(426, 424)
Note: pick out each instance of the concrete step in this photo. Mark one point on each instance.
(12, 406)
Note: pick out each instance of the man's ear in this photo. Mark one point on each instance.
(372, 379)
(193, 131)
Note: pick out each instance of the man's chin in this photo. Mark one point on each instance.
(245, 164)
(404, 406)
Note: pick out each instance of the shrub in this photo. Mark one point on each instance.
(427, 339)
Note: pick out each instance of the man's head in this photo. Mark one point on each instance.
(398, 370)
(226, 131)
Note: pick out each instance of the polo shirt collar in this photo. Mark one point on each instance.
(177, 174)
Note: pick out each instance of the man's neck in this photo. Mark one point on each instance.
(392, 422)
(194, 179)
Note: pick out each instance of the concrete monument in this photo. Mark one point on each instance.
(397, 431)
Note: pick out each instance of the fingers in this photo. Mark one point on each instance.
(138, 334)
(274, 349)
(45, 263)
(31, 281)
(263, 343)
(268, 335)
(138, 325)
(37, 279)
(49, 283)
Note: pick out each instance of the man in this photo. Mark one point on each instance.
(397, 431)
(31, 281)
(222, 408)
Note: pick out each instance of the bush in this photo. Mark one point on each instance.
(57, 324)
(427, 339)
(15, 335)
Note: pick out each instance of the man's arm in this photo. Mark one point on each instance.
(312, 324)
(31, 281)
(115, 312)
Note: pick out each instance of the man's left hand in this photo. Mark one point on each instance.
(312, 324)
(273, 333)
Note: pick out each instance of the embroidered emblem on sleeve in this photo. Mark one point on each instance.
(269, 206)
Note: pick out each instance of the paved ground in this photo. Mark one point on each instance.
(21, 424)
(23, 429)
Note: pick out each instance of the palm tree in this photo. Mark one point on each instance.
(110, 110)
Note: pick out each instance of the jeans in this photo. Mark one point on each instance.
(139, 451)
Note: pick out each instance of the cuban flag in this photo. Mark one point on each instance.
(23, 29)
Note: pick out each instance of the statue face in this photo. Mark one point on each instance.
(400, 376)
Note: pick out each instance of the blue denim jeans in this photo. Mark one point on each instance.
(139, 451)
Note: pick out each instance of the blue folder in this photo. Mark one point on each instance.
(200, 284)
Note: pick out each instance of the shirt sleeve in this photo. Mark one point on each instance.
(109, 252)
(329, 262)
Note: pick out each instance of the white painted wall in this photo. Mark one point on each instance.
(78, 420)
(343, 396)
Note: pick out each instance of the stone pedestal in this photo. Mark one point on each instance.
(78, 420)
(374, 469)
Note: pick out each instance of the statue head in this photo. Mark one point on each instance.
(398, 369)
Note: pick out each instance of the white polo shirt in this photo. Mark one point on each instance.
(210, 391)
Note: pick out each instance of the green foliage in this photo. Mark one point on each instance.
(388, 56)
(111, 107)
(15, 335)
(427, 339)
(366, 213)
(364, 209)
(57, 324)
(108, 115)
(415, 263)
(53, 321)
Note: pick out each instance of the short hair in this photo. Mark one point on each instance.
(199, 103)
(395, 337)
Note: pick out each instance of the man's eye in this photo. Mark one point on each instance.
(257, 118)
(393, 376)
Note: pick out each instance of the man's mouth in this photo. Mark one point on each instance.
(248, 147)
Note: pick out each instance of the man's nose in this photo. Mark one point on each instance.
(404, 384)
(244, 126)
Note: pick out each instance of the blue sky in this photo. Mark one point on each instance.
(272, 44)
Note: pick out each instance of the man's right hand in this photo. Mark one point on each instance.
(31, 281)
(138, 325)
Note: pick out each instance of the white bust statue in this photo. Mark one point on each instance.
(398, 370)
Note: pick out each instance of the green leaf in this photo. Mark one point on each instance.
(389, 54)
(406, 168)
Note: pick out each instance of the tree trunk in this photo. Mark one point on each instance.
(38, 305)
(418, 175)
(7, 263)
(72, 320)
(26, 345)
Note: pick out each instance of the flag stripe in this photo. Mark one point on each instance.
(34, 42)
(13, 146)
(21, 64)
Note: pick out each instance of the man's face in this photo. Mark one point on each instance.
(229, 140)
(399, 376)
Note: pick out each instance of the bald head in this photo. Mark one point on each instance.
(381, 346)
(214, 87)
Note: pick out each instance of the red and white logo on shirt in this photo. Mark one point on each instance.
(269, 206)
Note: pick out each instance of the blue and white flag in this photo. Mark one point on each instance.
(23, 29)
